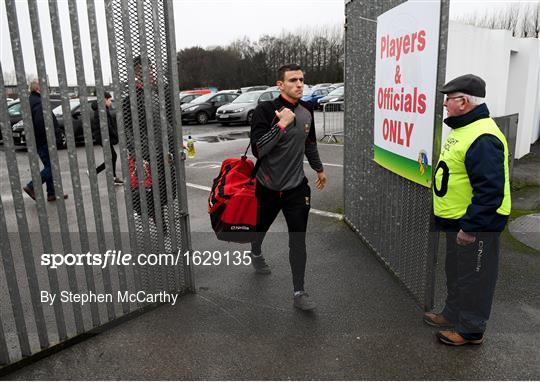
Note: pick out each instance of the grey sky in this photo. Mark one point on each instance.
(219, 22)
(198, 22)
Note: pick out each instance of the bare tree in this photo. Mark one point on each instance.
(519, 18)
(10, 78)
(243, 63)
(534, 20)
(524, 24)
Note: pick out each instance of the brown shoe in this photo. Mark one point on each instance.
(449, 337)
(30, 192)
(53, 198)
(437, 320)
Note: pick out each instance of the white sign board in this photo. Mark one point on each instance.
(405, 88)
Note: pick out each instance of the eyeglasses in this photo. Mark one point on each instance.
(456, 97)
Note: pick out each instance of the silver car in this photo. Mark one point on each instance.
(241, 109)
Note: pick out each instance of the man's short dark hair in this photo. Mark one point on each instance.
(107, 95)
(287, 68)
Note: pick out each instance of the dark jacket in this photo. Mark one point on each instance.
(38, 121)
(129, 126)
(144, 138)
(111, 124)
(484, 162)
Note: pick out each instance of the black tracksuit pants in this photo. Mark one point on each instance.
(295, 204)
(471, 275)
(101, 167)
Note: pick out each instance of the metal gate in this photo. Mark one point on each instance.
(509, 125)
(390, 213)
(78, 246)
(333, 113)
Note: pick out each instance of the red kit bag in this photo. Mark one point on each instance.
(133, 180)
(232, 203)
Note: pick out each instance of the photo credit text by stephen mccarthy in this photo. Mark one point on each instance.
(119, 258)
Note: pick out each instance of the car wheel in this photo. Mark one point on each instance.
(61, 141)
(249, 117)
(225, 123)
(202, 118)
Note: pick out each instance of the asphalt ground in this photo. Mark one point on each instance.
(202, 170)
(240, 325)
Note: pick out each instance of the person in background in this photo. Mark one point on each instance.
(40, 135)
(113, 135)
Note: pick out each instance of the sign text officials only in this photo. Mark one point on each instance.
(405, 88)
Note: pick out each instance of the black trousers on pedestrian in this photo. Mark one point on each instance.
(295, 204)
(471, 276)
(101, 167)
(46, 173)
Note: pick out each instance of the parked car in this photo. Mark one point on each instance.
(241, 109)
(203, 108)
(187, 98)
(336, 95)
(15, 113)
(269, 95)
(334, 86)
(253, 88)
(320, 86)
(197, 91)
(61, 141)
(313, 96)
(233, 91)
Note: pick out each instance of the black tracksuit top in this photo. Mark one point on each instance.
(282, 151)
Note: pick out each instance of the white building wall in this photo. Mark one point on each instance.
(510, 68)
(522, 94)
(535, 133)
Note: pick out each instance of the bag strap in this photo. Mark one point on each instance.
(257, 164)
(259, 161)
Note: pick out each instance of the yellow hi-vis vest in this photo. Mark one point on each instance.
(452, 190)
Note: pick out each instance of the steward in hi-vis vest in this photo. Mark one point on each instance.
(453, 189)
(471, 204)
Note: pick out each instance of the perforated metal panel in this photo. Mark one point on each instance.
(390, 213)
(147, 216)
(148, 119)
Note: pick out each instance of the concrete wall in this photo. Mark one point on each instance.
(510, 67)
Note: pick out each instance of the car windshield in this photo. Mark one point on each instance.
(73, 103)
(248, 97)
(203, 98)
(337, 92)
(15, 110)
(307, 91)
